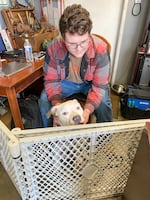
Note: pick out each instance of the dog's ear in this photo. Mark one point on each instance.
(52, 111)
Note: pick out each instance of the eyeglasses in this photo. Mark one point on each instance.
(82, 44)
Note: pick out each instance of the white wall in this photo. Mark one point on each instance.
(113, 20)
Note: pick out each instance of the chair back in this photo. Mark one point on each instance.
(105, 40)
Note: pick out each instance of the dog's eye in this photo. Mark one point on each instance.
(78, 108)
(64, 113)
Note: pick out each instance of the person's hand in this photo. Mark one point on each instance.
(86, 115)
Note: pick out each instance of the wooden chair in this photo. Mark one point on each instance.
(105, 40)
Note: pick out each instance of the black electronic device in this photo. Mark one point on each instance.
(15, 53)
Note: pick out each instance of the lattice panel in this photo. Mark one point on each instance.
(6, 158)
(86, 166)
(73, 163)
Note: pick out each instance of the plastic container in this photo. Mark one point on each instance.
(28, 51)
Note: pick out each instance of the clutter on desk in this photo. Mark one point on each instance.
(23, 23)
(39, 55)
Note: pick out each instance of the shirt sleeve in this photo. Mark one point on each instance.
(99, 74)
(52, 82)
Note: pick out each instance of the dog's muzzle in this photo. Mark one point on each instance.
(77, 119)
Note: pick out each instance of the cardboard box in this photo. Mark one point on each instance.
(36, 40)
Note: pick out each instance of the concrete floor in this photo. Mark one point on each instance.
(7, 189)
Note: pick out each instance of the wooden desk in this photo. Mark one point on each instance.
(10, 86)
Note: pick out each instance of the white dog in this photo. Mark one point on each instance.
(68, 113)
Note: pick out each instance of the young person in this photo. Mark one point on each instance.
(77, 62)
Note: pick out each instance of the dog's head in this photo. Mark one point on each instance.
(68, 113)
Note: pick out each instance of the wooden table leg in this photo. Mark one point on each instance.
(14, 107)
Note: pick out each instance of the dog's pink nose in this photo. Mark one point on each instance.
(77, 119)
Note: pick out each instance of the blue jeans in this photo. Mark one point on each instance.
(103, 113)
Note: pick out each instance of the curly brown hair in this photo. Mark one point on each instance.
(75, 19)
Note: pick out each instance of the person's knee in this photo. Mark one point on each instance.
(106, 104)
(43, 96)
(44, 106)
(104, 112)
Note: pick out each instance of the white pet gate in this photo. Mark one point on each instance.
(84, 162)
